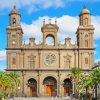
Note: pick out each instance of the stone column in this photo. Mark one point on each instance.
(59, 59)
(18, 60)
(92, 59)
(39, 53)
(75, 59)
(61, 87)
(39, 91)
(23, 59)
(8, 61)
(81, 40)
(90, 40)
(80, 60)
(23, 83)
(58, 86)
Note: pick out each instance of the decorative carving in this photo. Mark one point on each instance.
(67, 60)
(50, 59)
(32, 61)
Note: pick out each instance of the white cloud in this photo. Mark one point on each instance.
(67, 27)
(32, 9)
(96, 23)
(34, 5)
(2, 55)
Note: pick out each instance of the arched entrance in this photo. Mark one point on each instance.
(32, 84)
(67, 87)
(50, 86)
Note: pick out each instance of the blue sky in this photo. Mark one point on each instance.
(34, 11)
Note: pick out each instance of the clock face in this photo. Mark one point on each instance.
(50, 59)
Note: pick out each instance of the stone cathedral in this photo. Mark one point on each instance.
(44, 69)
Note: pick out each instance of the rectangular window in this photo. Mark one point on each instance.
(13, 61)
(86, 60)
(86, 43)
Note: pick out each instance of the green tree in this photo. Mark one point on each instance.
(75, 75)
(8, 82)
(16, 80)
(89, 81)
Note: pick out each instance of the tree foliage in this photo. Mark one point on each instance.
(8, 82)
(90, 80)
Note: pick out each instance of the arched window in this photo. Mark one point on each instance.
(86, 60)
(14, 21)
(86, 21)
(86, 41)
(13, 61)
(50, 40)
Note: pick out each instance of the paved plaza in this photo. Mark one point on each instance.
(42, 98)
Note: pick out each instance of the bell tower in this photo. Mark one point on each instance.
(50, 30)
(85, 38)
(14, 30)
(85, 32)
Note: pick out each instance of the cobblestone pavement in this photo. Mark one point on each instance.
(43, 98)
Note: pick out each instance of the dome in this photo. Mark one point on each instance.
(14, 11)
(85, 11)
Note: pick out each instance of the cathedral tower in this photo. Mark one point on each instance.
(14, 30)
(85, 38)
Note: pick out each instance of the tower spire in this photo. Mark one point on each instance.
(84, 7)
(14, 7)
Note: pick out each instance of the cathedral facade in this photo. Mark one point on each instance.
(44, 69)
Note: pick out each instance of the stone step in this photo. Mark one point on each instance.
(42, 98)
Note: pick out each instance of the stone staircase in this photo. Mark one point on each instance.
(42, 98)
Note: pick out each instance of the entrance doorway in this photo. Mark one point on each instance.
(67, 87)
(50, 86)
(32, 83)
(49, 90)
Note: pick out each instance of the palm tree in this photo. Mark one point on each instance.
(75, 74)
(95, 75)
(90, 81)
(8, 81)
(16, 80)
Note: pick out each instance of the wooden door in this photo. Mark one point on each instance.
(66, 90)
(32, 91)
(49, 89)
